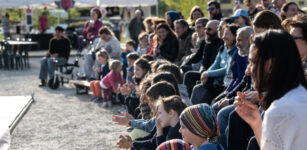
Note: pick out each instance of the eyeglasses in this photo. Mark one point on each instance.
(297, 38)
(208, 29)
(210, 9)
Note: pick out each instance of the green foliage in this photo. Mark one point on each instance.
(74, 13)
(184, 6)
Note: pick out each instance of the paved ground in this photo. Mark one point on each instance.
(58, 119)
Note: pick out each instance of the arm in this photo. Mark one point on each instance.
(239, 87)
(146, 125)
(215, 70)
(198, 55)
(84, 31)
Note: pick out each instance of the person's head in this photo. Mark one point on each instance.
(116, 66)
(220, 27)
(230, 33)
(156, 21)
(130, 45)
(131, 58)
(266, 3)
(278, 4)
(171, 16)
(148, 23)
(59, 31)
(144, 86)
(95, 13)
(240, 17)
(289, 9)
(243, 40)
(200, 25)
(195, 13)
(165, 76)
(157, 63)
(141, 67)
(276, 66)
(214, 9)
(102, 56)
(7, 15)
(173, 69)
(143, 38)
(181, 27)
(157, 90)
(298, 30)
(169, 110)
(198, 124)
(138, 14)
(105, 33)
(164, 31)
(265, 20)
(211, 31)
(174, 144)
(147, 57)
(151, 38)
(250, 4)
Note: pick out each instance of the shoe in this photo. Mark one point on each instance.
(94, 98)
(104, 104)
(98, 100)
(42, 83)
(109, 103)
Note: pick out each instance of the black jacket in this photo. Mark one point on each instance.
(169, 49)
(207, 53)
(62, 47)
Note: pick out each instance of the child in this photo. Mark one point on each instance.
(175, 144)
(141, 68)
(144, 46)
(168, 112)
(129, 48)
(110, 82)
(151, 44)
(131, 58)
(199, 127)
(103, 69)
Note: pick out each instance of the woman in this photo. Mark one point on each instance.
(241, 17)
(196, 12)
(171, 16)
(278, 77)
(91, 28)
(265, 20)
(167, 43)
(288, 9)
(198, 126)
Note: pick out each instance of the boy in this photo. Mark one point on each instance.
(129, 48)
(131, 58)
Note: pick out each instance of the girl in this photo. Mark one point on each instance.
(103, 58)
(144, 45)
(110, 82)
(198, 126)
(168, 111)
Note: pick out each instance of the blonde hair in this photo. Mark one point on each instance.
(115, 64)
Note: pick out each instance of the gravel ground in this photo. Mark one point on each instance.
(58, 119)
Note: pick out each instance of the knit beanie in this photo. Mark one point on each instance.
(175, 144)
(201, 120)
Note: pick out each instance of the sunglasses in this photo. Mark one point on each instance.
(210, 9)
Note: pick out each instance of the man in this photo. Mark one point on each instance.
(6, 26)
(206, 54)
(184, 35)
(214, 10)
(277, 5)
(252, 10)
(136, 26)
(58, 54)
(267, 5)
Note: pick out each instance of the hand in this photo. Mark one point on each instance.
(247, 111)
(252, 96)
(97, 70)
(121, 120)
(54, 55)
(204, 77)
(156, 50)
(223, 103)
(127, 115)
(125, 142)
(159, 127)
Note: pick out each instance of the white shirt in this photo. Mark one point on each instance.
(285, 122)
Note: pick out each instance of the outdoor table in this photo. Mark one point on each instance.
(18, 54)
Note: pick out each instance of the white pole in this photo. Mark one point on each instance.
(157, 9)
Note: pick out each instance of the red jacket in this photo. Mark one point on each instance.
(111, 80)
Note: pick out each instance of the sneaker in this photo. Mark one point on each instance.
(94, 98)
(104, 104)
(98, 100)
(42, 83)
(109, 103)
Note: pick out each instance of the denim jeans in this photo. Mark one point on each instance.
(223, 119)
(48, 65)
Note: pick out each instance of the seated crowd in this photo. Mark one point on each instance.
(214, 83)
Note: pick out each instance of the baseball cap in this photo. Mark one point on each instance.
(240, 12)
